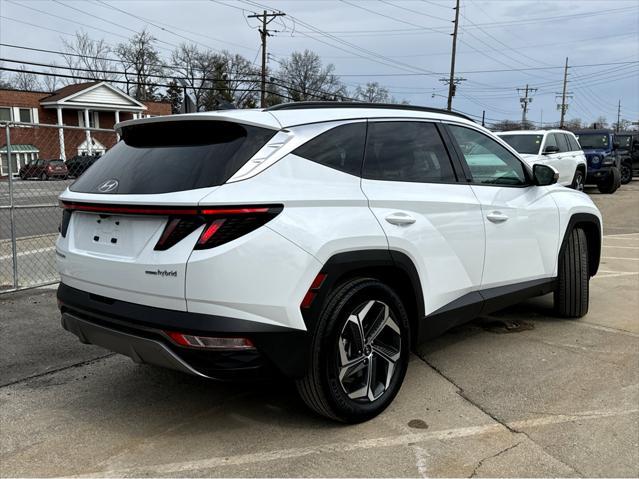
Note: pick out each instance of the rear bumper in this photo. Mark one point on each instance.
(138, 332)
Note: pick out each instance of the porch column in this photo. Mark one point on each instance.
(117, 120)
(63, 155)
(87, 125)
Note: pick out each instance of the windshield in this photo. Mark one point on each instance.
(174, 156)
(56, 162)
(624, 141)
(526, 144)
(591, 142)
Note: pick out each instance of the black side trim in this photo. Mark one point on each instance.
(592, 227)
(474, 304)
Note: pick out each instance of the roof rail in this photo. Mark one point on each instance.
(308, 105)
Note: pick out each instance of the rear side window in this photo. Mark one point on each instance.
(341, 148)
(406, 151)
(574, 146)
(562, 142)
(174, 156)
(551, 141)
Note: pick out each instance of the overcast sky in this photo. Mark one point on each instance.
(402, 44)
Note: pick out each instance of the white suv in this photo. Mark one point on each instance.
(557, 148)
(319, 240)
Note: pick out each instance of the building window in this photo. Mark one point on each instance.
(5, 114)
(94, 119)
(25, 115)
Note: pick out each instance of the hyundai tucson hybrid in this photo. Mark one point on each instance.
(556, 148)
(320, 241)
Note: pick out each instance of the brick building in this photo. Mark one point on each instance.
(96, 104)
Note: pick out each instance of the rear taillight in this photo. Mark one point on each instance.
(221, 224)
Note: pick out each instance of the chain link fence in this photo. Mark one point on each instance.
(37, 163)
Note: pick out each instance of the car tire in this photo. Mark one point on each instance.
(572, 293)
(347, 333)
(625, 173)
(578, 181)
(611, 183)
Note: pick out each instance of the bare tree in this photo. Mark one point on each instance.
(86, 57)
(373, 92)
(506, 125)
(24, 80)
(196, 69)
(4, 83)
(51, 81)
(142, 67)
(303, 77)
(600, 122)
(241, 81)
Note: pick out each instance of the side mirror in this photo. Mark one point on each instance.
(550, 149)
(545, 175)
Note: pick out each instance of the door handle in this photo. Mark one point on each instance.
(497, 217)
(400, 219)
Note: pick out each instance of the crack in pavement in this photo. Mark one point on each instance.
(462, 394)
(481, 462)
(57, 370)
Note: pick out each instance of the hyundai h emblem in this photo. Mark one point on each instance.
(108, 186)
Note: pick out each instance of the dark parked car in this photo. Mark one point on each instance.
(44, 169)
(603, 159)
(629, 152)
(80, 163)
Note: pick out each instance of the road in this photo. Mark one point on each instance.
(519, 393)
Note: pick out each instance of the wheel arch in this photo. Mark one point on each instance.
(394, 268)
(591, 225)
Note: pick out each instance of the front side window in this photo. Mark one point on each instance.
(406, 151)
(341, 148)
(488, 161)
(174, 156)
(525, 144)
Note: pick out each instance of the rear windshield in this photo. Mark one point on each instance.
(56, 162)
(173, 156)
(526, 144)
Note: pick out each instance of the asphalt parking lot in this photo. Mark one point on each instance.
(519, 393)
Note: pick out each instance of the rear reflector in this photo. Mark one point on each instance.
(313, 290)
(207, 342)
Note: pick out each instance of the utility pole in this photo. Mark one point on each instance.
(451, 81)
(264, 32)
(618, 116)
(564, 106)
(525, 100)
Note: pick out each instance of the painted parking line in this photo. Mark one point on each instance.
(603, 275)
(620, 257)
(620, 247)
(622, 235)
(177, 468)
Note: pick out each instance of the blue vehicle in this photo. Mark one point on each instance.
(603, 159)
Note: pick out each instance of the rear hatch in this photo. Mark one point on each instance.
(131, 221)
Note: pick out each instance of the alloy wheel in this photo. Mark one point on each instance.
(369, 346)
(579, 183)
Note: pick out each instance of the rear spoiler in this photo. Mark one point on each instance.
(258, 118)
